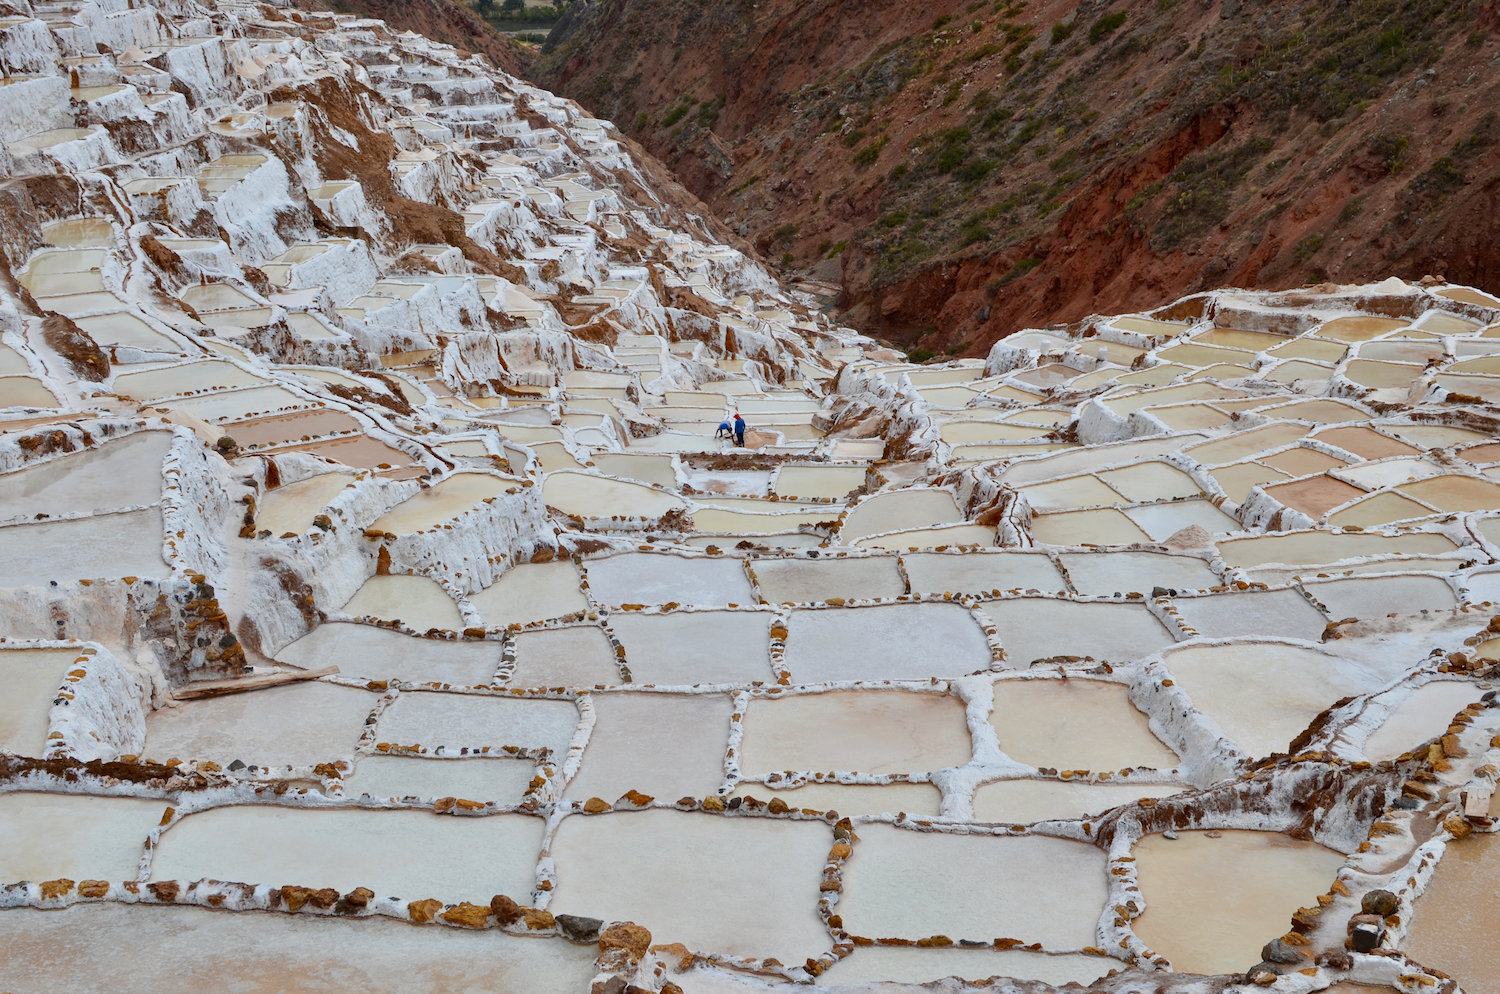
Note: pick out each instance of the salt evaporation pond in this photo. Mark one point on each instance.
(1456, 909)
(1422, 715)
(412, 855)
(853, 732)
(914, 884)
(592, 496)
(50, 836)
(657, 579)
(380, 654)
(1026, 801)
(31, 677)
(126, 473)
(291, 509)
(1263, 695)
(852, 799)
(669, 865)
(1033, 628)
(940, 573)
(419, 603)
(573, 657)
(296, 725)
(695, 648)
(98, 945)
(478, 723)
(1213, 899)
(805, 580)
(1074, 725)
(105, 546)
(920, 966)
(441, 502)
(664, 745)
(530, 592)
(872, 643)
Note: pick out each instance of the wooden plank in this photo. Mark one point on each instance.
(216, 688)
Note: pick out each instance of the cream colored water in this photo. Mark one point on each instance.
(664, 745)
(99, 948)
(1456, 913)
(852, 732)
(911, 885)
(530, 592)
(477, 722)
(948, 536)
(365, 651)
(294, 725)
(442, 502)
(667, 868)
(802, 580)
(1264, 695)
(52, 836)
(1043, 628)
(570, 657)
(31, 678)
(901, 510)
(292, 508)
(419, 603)
(412, 855)
(598, 497)
(1211, 903)
(818, 481)
(1074, 725)
(1422, 716)
(871, 643)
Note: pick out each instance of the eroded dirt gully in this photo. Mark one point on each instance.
(962, 170)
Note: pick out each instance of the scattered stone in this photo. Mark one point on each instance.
(576, 928)
(1279, 951)
(505, 910)
(1378, 902)
(623, 944)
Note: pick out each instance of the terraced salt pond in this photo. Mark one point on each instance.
(869, 643)
(670, 863)
(297, 725)
(349, 849)
(852, 732)
(104, 546)
(913, 885)
(1263, 695)
(125, 473)
(529, 593)
(657, 579)
(441, 502)
(379, 654)
(1207, 921)
(1074, 725)
(33, 676)
(291, 509)
(419, 603)
(51, 836)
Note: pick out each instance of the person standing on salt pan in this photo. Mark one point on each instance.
(739, 430)
(724, 431)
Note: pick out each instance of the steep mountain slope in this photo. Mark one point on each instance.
(967, 169)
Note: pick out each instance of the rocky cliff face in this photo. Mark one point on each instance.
(963, 170)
